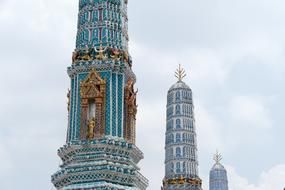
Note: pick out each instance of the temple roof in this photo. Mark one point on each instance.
(218, 166)
(179, 85)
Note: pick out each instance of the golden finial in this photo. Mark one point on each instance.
(218, 157)
(180, 73)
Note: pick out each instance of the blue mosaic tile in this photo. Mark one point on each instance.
(114, 104)
(106, 75)
(120, 103)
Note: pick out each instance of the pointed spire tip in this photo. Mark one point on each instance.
(180, 73)
(218, 157)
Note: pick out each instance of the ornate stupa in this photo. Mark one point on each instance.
(218, 175)
(100, 151)
(181, 160)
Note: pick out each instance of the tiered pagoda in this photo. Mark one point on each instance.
(218, 175)
(181, 160)
(100, 151)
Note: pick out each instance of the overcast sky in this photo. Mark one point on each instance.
(233, 52)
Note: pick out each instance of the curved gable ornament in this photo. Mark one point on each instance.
(93, 102)
(93, 86)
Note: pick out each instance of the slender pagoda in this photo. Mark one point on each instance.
(100, 151)
(181, 160)
(218, 175)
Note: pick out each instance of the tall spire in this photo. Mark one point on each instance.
(181, 160)
(100, 151)
(218, 179)
(180, 73)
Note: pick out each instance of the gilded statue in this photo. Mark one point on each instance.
(130, 84)
(87, 54)
(191, 181)
(116, 54)
(172, 181)
(91, 126)
(181, 180)
(101, 55)
(131, 95)
(126, 56)
(75, 56)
